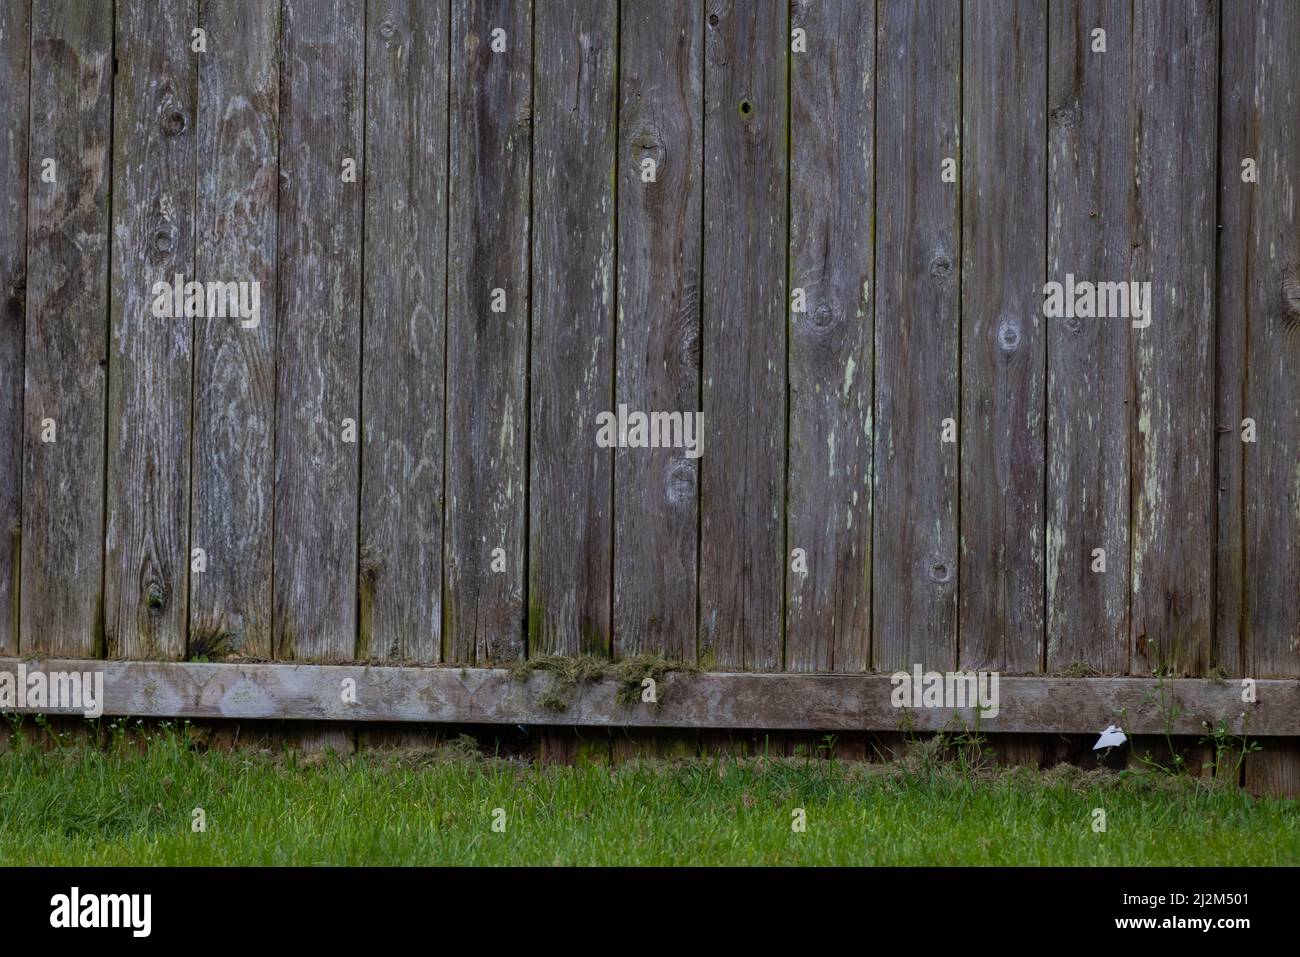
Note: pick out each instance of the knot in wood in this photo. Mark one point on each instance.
(940, 571)
(1291, 297)
(1008, 334)
(1066, 116)
(823, 317)
(164, 240)
(681, 482)
(155, 598)
(174, 123)
(649, 143)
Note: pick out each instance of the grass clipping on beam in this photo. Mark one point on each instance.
(567, 675)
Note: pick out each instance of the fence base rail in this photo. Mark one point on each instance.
(815, 702)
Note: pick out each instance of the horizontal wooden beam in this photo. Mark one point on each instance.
(687, 700)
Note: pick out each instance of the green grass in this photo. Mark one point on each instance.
(131, 802)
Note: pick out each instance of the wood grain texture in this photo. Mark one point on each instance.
(319, 331)
(400, 590)
(742, 503)
(474, 430)
(1175, 51)
(1090, 194)
(1237, 136)
(1275, 771)
(234, 359)
(656, 500)
(918, 125)
(1259, 336)
(1004, 346)
(15, 85)
(66, 330)
(706, 700)
(832, 100)
(570, 561)
(150, 367)
(487, 352)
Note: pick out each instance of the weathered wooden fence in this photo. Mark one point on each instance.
(827, 226)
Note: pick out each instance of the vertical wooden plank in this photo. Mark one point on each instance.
(570, 477)
(319, 330)
(832, 102)
(1275, 771)
(150, 370)
(15, 88)
(1237, 136)
(1090, 183)
(1259, 361)
(1016, 750)
(405, 333)
(656, 502)
(914, 558)
(1175, 58)
(656, 491)
(742, 518)
(1259, 307)
(67, 330)
(1003, 353)
(487, 351)
(234, 357)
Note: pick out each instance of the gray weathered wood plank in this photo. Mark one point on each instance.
(656, 497)
(67, 330)
(318, 330)
(1237, 136)
(1259, 322)
(150, 366)
(918, 120)
(487, 351)
(832, 101)
(15, 86)
(234, 358)
(400, 590)
(745, 700)
(1090, 193)
(1175, 57)
(1004, 345)
(742, 498)
(570, 560)
(1275, 771)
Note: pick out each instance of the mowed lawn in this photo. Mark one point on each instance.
(134, 801)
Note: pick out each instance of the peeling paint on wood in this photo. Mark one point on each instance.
(832, 121)
(742, 492)
(917, 302)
